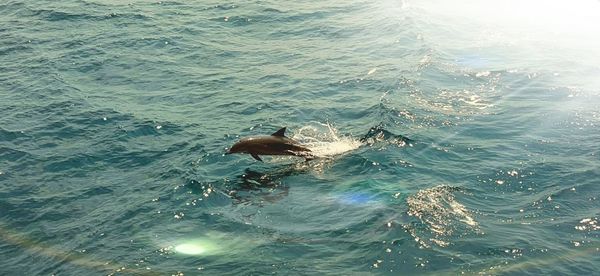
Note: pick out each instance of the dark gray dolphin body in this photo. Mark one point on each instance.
(274, 144)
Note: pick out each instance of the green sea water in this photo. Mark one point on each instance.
(453, 137)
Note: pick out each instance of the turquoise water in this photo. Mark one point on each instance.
(455, 138)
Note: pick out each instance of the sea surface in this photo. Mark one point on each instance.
(453, 137)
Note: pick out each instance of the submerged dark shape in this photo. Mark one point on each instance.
(274, 144)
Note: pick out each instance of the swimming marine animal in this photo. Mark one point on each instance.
(274, 144)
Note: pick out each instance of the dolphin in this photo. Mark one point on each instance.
(274, 144)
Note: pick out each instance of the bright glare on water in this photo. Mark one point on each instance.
(190, 249)
(451, 137)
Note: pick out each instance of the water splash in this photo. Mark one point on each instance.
(324, 141)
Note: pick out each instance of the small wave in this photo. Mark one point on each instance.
(223, 7)
(235, 20)
(11, 50)
(11, 135)
(53, 15)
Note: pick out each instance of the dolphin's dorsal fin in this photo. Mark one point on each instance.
(279, 133)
